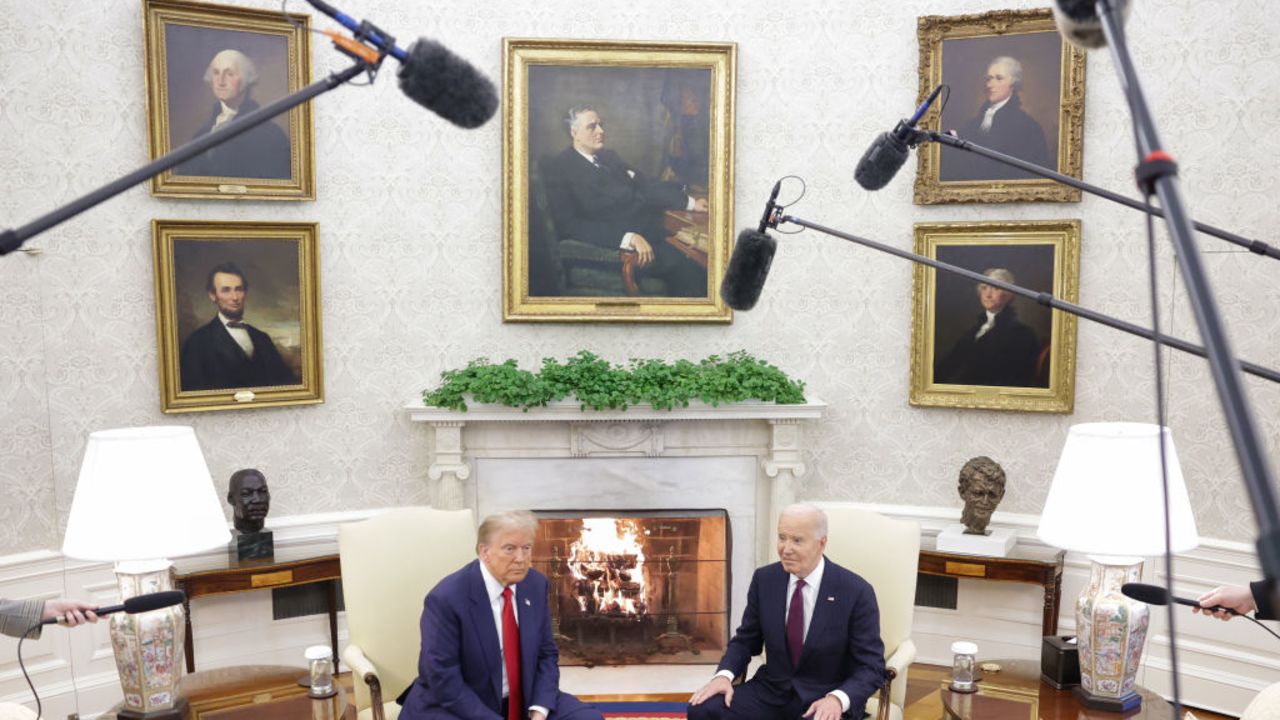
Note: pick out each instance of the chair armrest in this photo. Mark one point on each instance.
(363, 668)
(902, 657)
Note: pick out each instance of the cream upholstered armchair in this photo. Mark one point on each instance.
(886, 553)
(389, 562)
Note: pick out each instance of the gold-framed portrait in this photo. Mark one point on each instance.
(974, 345)
(617, 165)
(207, 65)
(237, 314)
(1016, 87)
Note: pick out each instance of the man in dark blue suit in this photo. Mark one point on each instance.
(820, 627)
(487, 651)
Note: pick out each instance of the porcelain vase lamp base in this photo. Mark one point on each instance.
(148, 646)
(1111, 631)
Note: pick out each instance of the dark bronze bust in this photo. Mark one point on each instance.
(982, 488)
(251, 500)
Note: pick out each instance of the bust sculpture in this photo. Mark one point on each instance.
(982, 488)
(250, 500)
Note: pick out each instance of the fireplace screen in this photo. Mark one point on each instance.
(633, 588)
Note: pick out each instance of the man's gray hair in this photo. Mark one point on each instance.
(811, 511)
(509, 520)
(571, 117)
(248, 70)
(1015, 68)
(1000, 274)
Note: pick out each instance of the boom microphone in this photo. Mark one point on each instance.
(430, 75)
(749, 264)
(134, 605)
(1156, 595)
(888, 151)
(1078, 22)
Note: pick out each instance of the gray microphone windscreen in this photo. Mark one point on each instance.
(447, 85)
(748, 267)
(880, 162)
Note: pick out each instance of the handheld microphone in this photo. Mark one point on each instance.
(1156, 595)
(430, 75)
(888, 151)
(134, 605)
(749, 264)
(1078, 22)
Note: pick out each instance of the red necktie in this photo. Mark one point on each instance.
(511, 656)
(795, 624)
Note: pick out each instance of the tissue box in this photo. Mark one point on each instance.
(1060, 661)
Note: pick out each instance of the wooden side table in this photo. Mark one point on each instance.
(1036, 565)
(1016, 693)
(254, 692)
(237, 576)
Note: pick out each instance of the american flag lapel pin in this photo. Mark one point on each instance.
(527, 603)
(831, 598)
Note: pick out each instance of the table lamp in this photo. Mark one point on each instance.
(145, 495)
(1106, 501)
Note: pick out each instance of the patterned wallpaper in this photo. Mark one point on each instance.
(409, 211)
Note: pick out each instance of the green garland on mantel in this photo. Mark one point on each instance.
(600, 385)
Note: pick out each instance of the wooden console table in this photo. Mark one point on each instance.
(1026, 564)
(237, 576)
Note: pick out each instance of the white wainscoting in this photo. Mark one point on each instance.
(74, 670)
(1223, 664)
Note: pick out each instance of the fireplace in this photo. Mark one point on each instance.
(636, 587)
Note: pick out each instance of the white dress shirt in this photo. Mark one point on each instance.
(227, 115)
(809, 593)
(991, 114)
(986, 326)
(239, 334)
(495, 588)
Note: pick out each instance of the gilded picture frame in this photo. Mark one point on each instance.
(974, 346)
(237, 314)
(1014, 64)
(209, 64)
(662, 172)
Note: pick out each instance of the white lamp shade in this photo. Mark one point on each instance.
(1106, 497)
(144, 493)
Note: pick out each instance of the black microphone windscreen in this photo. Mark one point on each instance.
(748, 267)
(1149, 594)
(1078, 22)
(153, 601)
(880, 162)
(447, 85)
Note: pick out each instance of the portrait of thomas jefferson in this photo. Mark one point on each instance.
(985, 335)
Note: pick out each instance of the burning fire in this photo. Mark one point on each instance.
(608, 564)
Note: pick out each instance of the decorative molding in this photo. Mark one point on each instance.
(572, 411)
(615, 439)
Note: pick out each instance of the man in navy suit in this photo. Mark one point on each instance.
(598, 198)
(227, 352)
(820, 627)
(487, 651)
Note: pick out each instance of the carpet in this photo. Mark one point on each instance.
(641, 710)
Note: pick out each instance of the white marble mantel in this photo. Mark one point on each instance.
(768, 435)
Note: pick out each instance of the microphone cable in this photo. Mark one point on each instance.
(804, 187)
(23, 667)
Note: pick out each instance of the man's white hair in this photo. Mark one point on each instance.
(1015, 68)
(810, 511)
(1001, 274)
(248, 70)
(521, 520)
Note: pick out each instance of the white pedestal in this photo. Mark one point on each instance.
(997, 544)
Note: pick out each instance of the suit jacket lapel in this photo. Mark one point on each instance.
(482, 620)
